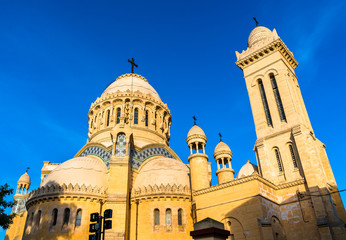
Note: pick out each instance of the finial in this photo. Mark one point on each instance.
(220, 137)
(255, 21)
(194, 120)
(27, 169)
(133, 64)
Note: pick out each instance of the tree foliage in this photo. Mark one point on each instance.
(5, 219)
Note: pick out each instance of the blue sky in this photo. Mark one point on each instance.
(57, 57)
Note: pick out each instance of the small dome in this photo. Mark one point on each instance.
(79, 170)
(247, 170)
(258, 34)
(195, 131)
(222, 147)
(162, 171)
(24, 179)
(132, 82)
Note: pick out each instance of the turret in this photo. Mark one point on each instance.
(199, 166)
(16, 229)
(23, 184)
(223, 158)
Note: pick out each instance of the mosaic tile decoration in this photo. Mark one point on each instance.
(99, 152)
(19, 206)
(120, 146)
(137, 158)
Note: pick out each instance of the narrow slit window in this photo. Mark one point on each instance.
(180, 217)
(108, 115)
(294, 160)
(118, 115)
(54, 216)
(79, 217)
(38, 218)
(278, 98)
(278, 159)
(146, 118)
(66, 216)
(135, 119)
(265, 104)
(156, 217)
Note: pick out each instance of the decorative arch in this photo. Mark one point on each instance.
(255, 79)
(271, 70)
(235, 227)
(277, 229)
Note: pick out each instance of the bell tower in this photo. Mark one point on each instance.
(287, 149)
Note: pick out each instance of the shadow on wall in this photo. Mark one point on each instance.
(57, 212)
(290, 220)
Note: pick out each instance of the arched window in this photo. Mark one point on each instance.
(180, 217)
(118, 115)
(278, 159)
(155, 120)
(38, 218)
(91, 123)
(293, 156)
(156, 217)
(135, 119)
(277, 98)
(168, 217)
(31, 222)
(265, 103)
(79, 217)
(54, 216)
(146, 118)
(108, 116)
(66, 216)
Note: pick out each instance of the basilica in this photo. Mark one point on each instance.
(128, 166)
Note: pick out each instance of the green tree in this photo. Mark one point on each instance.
(5, 219)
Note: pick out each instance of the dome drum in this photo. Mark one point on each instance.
(129, 102)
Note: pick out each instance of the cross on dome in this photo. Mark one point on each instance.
(132, 64)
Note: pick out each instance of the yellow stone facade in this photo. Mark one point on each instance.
(128, 166)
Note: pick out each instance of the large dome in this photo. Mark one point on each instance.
(132, 82)
(258, 34)
(80, 170)
(162, 171)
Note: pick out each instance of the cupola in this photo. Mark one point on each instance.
(223, 158)
(23, 184)
(196, 139)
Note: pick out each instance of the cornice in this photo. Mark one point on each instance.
(134, 95)
(254, 54)
(196, 136)
(56, 191)
(252, 177)
(156, 191)
(218, 153)
(197, 155)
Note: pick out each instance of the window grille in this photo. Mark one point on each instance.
(265, 104)
(135, 120)
(293, 156)
(278, 98)
(278, 159)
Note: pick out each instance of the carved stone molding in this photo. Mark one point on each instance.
(161, 191)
